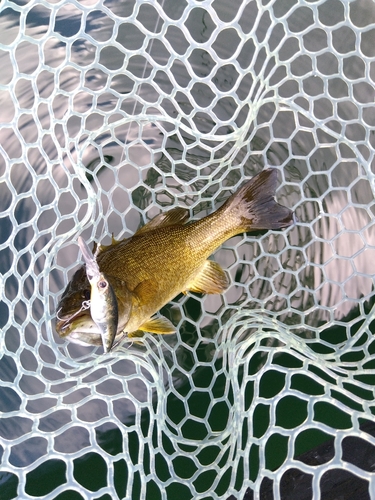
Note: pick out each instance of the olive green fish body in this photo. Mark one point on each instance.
(169, 256)
(151, 265)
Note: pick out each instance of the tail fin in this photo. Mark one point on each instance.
(254, 203)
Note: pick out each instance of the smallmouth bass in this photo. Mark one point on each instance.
(165, 257)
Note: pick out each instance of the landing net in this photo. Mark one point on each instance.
(114, 111)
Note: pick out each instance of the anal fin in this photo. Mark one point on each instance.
(210, 279)
(137, 334)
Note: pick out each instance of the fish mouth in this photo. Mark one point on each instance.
(81, 330)
(65, 322)
(81, 321)
(79, 327)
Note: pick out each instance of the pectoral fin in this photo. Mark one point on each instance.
(210, 279)
(145, 291)
(158, 325)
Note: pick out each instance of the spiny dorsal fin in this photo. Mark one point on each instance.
(105, 247)
(176, 216)
(114, 241)
(210, 279)
(160, 325)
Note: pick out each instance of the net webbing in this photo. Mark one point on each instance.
(112, 112)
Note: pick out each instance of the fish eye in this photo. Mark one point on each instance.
(102, 284)
(86, 295)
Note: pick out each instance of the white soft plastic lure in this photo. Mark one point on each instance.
(103, 302)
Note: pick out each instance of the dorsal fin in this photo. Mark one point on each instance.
(177, 216)
(105, 247)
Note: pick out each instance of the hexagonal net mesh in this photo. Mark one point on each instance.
(112, 112)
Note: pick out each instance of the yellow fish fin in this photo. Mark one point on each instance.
(114, 241)
(158, 325)
(210, 279)
(136, 337)
(105, 247)
(135, 334)
(176, 216)
(145, 291)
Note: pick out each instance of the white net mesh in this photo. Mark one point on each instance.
(112, 112)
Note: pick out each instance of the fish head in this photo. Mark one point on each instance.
(73, 308)
(73, 317)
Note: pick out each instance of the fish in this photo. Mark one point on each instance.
(165, 257)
